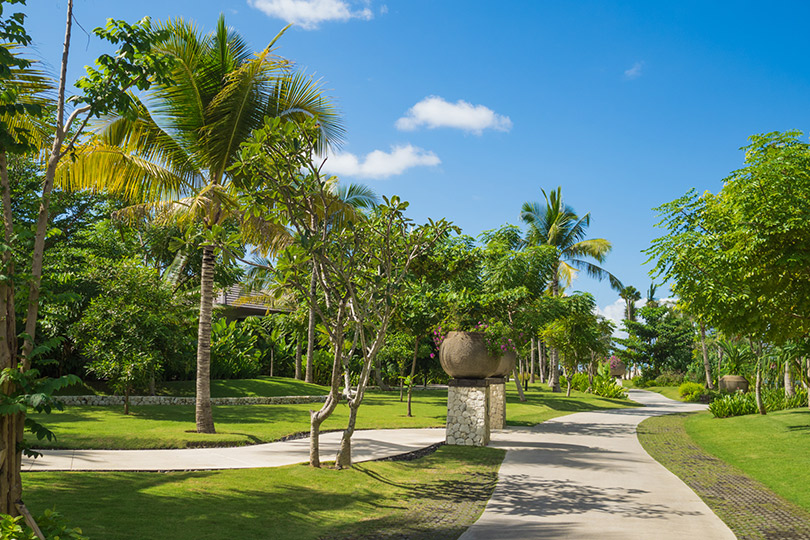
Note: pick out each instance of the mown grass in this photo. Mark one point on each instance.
(294, 502)
(164, 426)
(260, 386)
(772, 448)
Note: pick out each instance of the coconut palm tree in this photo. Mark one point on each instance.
(630, 295)
(554, 223)
(173, 158)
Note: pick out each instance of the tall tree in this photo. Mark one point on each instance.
(630, 295)
(174, 155)
(554, 223)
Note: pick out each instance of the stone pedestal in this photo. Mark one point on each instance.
(497, 402)
(468, 412)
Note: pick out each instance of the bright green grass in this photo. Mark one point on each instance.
(772, 449)
(164, 426)
(667, 391)
(294, 502)
(261, 386)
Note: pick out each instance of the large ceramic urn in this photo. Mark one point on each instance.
(464, 355)
(617, 369)
(733, 383)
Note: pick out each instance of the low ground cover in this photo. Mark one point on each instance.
(770, 448)
(164, 426)
(434, 497)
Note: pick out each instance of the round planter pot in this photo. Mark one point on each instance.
(506, 364)
(464, 355)
(732, 383)
(619, 370)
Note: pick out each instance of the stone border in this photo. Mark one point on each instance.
(749, 508)
(107, 401)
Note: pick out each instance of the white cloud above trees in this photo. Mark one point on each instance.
(380, 164)
(310, 13)
(435, 112)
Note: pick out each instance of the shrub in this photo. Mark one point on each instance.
(234, 351)
(691, 392)
(608, 388)
(51, 523)
(580, 382)
(640, 382)
(668, 378)
(739, 404)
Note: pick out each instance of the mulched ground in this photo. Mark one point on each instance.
(751, 510)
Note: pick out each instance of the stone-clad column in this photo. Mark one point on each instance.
(497, 402)
(468, 412)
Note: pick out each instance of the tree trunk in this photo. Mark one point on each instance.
(758, 390)
(591, 372)
(272, 360)
(204, 413)
(298, 353)
(378, 377)
(316, 418)
(568, 389)
(541, 349)
(555, 371)
(790, 390)
(517, 383)
(707, 366)
(413, 372)
(343, 459)
(532, 360)
(313, 297)
(126, 400)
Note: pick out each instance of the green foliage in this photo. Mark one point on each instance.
(738, 404)
(50, 523)
(134, 327)
(691, 392)
(234, 351)
(660, 341)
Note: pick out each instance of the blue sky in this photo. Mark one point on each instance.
(468, 108)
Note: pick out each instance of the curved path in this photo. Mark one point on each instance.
(586, 476)
(366, 445)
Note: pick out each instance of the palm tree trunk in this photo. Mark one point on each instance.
(313, 297)
(298, 353)
(204, 413)
(555, 371)
(758, 390)
(790, 391)
(532, 360)
(707, 366)
(542, 360)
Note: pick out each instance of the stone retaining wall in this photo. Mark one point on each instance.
(171, 400)
(497, 404)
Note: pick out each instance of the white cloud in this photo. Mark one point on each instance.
(379, 164)
(310, 13)
(615, 312)
(634, 72)
(434, 112)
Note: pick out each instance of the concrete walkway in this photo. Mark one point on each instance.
(585, 476)
(366, 445)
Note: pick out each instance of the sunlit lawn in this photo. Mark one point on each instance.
(772, 448)
(294, 502)
(172, 426)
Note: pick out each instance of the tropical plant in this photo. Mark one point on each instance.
(174, 156)
(554, 223)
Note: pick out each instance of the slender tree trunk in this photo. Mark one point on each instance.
(343, 460)
(790, 390)
(204, 413)
(517, 383)
(126, 400)
(316, 418)
(758, 390)
(707, 366)
(298, 353)
(313, 297)
(591, 371)
(378, 377)
(541, 349)
(413, 372)
(272, 360)
(555, 371)
(568, 380)
(532, 360)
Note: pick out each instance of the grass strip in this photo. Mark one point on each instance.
(434, 497)
(750, 509)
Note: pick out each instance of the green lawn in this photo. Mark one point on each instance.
(772, 449)
(667, 391)
(444, 492)
(158, 426)
(261, 386)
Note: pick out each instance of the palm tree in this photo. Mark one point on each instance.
(556, 224)
(630, 295)
(175, 155)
